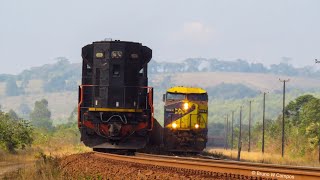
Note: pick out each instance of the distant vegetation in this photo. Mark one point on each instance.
(231, 91)
(24, 141)
(64, 76)
(215, 65)
(301, 114)
(302, 125)
(57, 77)
(18, 134)
(33, 91)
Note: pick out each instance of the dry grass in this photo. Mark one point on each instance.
(40, 162)
(60, 151)
(21, 156)
(46, 167)
(42, 159)
(267, 158)
(34, 86)
(35, 152)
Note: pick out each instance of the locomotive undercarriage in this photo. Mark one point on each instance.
(113, 130)
(184, 140)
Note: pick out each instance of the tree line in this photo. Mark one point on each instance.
(302, 129)
(64, 76)
(239, 65)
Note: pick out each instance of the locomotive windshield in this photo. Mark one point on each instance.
(173, 96)
(190, 97)
(197, 97)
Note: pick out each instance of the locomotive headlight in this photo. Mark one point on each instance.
(174, 125)
(186, 106)
(196, 126)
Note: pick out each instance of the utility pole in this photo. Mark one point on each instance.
(283, 105)
(239, 140)
(227, 142)
(249, 125)
(232, 130)
(319, 151)
(263, 119)
(225, 133)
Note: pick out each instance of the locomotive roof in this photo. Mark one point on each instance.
(115, 41)
(186, 90)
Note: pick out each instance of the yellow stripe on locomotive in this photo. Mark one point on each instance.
(195, 119)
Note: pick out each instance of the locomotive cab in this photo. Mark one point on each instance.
(185, 119)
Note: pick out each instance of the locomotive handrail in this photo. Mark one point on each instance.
(150, 94)
(149, 97)
(93, 85)
(79, 105)
(124, 89)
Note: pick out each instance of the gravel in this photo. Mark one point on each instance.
(89, 166)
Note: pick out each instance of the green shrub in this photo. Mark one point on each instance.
(14, 133)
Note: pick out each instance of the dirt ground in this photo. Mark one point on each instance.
(89, 166)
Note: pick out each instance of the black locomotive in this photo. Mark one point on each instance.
(115, 109)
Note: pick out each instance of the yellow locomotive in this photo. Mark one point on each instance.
(185, 119)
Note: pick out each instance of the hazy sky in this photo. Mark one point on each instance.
(35, 32)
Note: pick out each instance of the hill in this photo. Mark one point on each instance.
(256, 81)
(223, 80)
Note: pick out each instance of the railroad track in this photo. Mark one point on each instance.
(220, 168)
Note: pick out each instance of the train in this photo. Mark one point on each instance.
(115, 104)
(115, 107)
(185, 119)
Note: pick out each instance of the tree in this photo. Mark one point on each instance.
(311, 119)
(40, 116)
(283, 68)
(302, 125)
(11, 88)
(13, 115)
(193, 64)
(73, 115)
(71, 85)
(55, 84)
(24, 109)
(14, 134)
(294, 108)
(258, 67)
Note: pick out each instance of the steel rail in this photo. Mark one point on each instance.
(254, 167)
(230, 162)
(229, 169)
